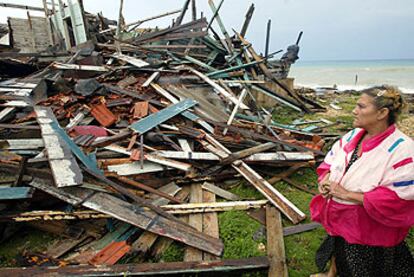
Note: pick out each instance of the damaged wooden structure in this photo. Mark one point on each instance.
(131, 133)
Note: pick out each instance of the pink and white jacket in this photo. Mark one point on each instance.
(385, 174)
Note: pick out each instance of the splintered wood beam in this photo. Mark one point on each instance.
(273, 195)
(247, 20)
(79, 67)
(149, 269)
(134, 215)
(270, 156)
(178, 209)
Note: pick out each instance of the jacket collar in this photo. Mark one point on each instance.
(368, 144)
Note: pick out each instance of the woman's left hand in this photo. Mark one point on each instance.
(338, 191)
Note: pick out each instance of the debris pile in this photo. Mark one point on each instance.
(121, 139)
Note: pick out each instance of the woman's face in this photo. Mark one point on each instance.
(366, 113)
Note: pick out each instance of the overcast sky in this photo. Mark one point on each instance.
(333, 29)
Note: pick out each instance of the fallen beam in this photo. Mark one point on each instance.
(149, 269)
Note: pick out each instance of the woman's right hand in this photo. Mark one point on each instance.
(324, 186)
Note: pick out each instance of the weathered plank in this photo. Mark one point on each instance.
(196, 221)
(275, 243)
(65, 169)
(210, 222)
(220, 192)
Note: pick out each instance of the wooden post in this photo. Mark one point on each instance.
(118, 27)
(275, 243)
(65, 25)
(246, 23)
(49, 24)
(269, 26)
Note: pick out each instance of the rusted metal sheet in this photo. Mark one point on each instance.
(140, 109)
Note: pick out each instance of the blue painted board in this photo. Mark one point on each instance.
(14, 193)
(160, 117)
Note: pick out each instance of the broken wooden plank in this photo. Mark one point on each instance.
(210, 222)
(275, 243)
(235, 109)
(65, 169)
(134, 168)
(191, 208)
(152, 158)
(79, 67)
(220, 192)
(21, 144)
(132, 214)
(196, 221)
(300, 228)
(131, 60)
(275, 156)
(200, 267)
(178, 209)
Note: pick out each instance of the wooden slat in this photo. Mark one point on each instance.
(220, 192)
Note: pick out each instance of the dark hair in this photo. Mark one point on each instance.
(387, 97)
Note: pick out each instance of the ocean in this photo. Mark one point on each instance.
(356, 75)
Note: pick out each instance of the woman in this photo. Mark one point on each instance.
(366, 183)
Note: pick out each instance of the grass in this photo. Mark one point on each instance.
(28, 240)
